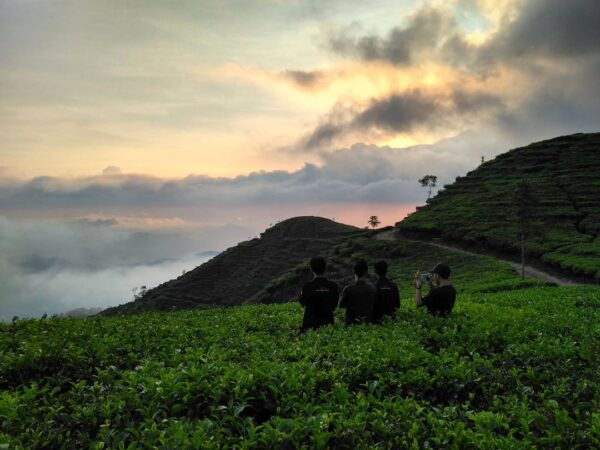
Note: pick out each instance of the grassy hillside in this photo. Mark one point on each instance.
(470, 273)
(565, 176)
(240, 272)
(509, 369)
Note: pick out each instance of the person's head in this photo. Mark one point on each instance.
(318, 265)
(360, 268)
(381, 268)
(441, 272)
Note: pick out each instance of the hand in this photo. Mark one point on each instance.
(418, 278)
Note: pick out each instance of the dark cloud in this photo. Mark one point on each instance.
(305, 79)
(425, 31)
(554, 29)
(548, 28)
(401, 113)
(323, 134)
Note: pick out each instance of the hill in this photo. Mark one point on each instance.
(565, 177)
(238, 274)
(514, 366)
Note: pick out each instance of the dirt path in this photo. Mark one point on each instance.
(530, 272)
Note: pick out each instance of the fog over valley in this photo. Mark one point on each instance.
(50, 267)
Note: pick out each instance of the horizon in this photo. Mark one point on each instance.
(158, 131)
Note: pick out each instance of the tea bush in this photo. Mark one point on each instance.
(512, 369)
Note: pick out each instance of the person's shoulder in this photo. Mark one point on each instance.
(308, 284)
(385, 283)
(350, 287)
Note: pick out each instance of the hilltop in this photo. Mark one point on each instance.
(238, 274)
(477, 210)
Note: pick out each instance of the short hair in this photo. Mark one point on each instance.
(360, 268)
(443, 270)
(381, 268)
(318, 264)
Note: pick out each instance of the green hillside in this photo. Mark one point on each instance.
(240, 272)
(515, 366)
(565, 176)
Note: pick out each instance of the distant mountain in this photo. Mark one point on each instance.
(564, 174)
(239, 273)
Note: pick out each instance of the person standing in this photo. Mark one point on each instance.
(318, 297)
(442, 297)
(388, 297)
(359, 297)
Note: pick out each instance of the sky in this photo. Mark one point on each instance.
(199, 123)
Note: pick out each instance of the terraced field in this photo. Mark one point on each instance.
(565, 176)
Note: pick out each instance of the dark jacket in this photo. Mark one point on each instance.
(359, 300)
(440, 300)
(319, 298)
(388, 299)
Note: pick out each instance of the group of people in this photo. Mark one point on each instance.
(366, 302)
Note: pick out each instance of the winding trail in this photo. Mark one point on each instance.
(530, 272)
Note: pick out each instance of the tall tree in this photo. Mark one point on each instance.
(428, 181)
(524, 210)
(374, 221)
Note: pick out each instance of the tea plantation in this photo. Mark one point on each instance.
(564, 174)
(517, 365)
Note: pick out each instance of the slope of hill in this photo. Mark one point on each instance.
(236, 275)
(471, 272)
(565, 177)
(508, 369)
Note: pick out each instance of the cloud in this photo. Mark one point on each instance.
(111, 170)
(550, 29)
(54, 267)
(304, 79)
(402, 113)
(425, 31)
(310, 183)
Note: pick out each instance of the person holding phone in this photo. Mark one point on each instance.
(442, 295)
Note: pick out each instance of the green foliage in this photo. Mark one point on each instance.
(562, 175)
(511, 369)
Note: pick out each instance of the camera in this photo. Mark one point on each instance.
(425, 277)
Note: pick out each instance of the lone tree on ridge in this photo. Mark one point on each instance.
(374, 221)
(428, 181)
(524, 210)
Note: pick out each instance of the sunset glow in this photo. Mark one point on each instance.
(181, 120)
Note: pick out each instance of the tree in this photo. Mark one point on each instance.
(524, 210)
(428, 181)
(374, 221)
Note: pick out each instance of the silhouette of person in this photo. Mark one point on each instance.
(318, 297)
(441, 298)
(388, 297)
(359, 297)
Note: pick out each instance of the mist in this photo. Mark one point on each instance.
(52, 268)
